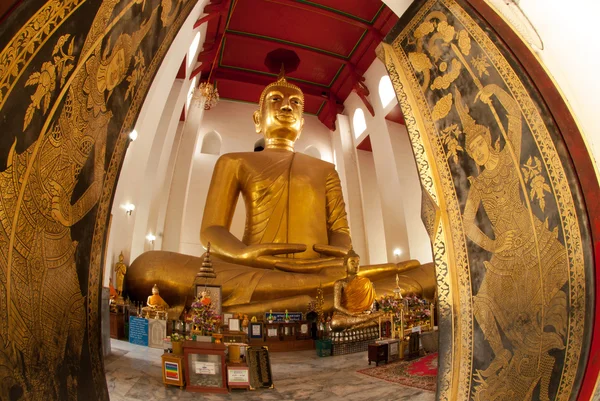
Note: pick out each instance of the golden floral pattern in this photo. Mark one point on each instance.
(444, 81)
(420, 61)
(424, 29)
(442, 107)
(17, 55)
(464, 42)
(481, 64)
(532, 172)
(45, 79)
(446, 30)
(450, 139)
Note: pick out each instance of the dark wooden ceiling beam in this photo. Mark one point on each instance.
(263, 80)
(322, 11)
(285, 45)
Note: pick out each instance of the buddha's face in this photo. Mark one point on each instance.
(479, 150)
(353, 265)
(154, 290)
(280, 115)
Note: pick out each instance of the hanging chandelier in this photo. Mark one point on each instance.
(206, 95)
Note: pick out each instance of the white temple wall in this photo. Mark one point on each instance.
(232, 122)
(140, 173)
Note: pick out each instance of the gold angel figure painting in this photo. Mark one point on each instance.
(50, 187)
(517, 242)
(520, 294)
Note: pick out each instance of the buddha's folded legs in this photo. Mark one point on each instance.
(247, 289)
(341, 321)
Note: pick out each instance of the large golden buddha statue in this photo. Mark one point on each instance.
(353, 298)
(296, 234)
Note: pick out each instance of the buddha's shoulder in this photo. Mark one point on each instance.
(243, 158)
(314, 162)
(235, 157)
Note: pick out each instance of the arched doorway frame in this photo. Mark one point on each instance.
(583, 165)
(560, 112)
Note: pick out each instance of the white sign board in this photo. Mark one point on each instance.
(205, 368)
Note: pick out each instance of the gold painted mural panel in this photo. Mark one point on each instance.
(55, 185)
(511, 255)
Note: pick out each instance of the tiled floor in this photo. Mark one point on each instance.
(134, 373)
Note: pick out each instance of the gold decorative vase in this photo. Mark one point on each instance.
(234, 353)
(177, 347)
(217, 337)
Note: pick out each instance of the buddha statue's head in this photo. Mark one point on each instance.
(279, 117)
(352, 262)
(155, 290)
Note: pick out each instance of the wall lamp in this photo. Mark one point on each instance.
(151, 237)
(129, 207)
(397, 252)
(133, 135)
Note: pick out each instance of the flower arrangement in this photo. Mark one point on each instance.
(204, 317)
(391, 305)
(176, 338)
(417, 313)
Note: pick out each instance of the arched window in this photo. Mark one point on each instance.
(358, 122)
(313, 151)
(386, 90)
(193, 48)
(211, 144)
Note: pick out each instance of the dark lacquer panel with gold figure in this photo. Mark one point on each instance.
(73, 76)
(512, 249)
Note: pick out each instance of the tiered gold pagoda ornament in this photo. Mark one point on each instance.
(206, 271)
(204, 318)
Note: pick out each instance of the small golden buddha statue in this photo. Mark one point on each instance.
(353, 298)
(120, 271)
(296, 232)
(155, 305)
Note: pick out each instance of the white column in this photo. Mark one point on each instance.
(347, 168)
(181, 179)
(162, 199)
(372, 210)
(152, 182)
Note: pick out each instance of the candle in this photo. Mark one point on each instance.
(379, 326)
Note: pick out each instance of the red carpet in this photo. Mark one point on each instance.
(419, 373)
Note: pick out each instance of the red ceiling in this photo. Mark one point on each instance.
(334, 39)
